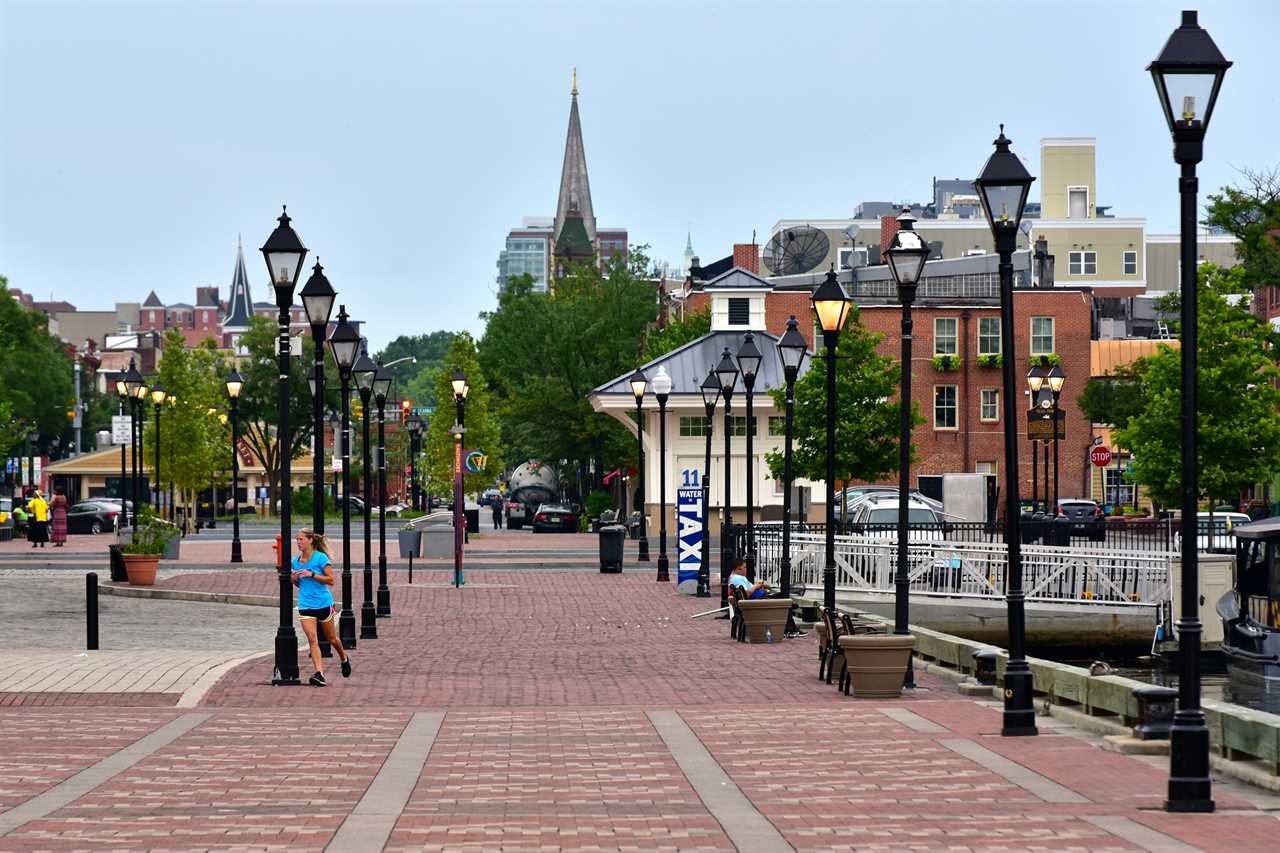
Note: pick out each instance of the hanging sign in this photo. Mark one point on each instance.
(121, 429)
(691, 527)
(476, 461)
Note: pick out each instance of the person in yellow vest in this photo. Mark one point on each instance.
(38, 529)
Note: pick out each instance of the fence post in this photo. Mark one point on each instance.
(91, 611)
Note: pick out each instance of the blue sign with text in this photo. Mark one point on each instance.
(691, 524)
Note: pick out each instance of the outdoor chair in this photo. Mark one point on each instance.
(828, 658)
(737, 622)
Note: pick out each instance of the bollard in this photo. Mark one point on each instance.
(1155, 712)
(411, 568)
(91, 611)
(984, 666)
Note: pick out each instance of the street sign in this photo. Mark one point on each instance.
(690, 526)
(121, 429)
(1100, 456)
(476, 461)
(1040, 425)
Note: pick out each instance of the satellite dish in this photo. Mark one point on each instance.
(793, 251)
(851, 233)
(1025, 228)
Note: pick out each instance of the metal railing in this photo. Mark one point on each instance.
(971, 569)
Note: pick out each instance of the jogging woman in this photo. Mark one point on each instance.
(313, 575)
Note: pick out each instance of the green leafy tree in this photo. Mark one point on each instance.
(35, 376)
(415, 379)
(1113, 399)
(545, 352)
(483, 430)
(678, 332)
(866, 414)
(259, 401)
(1238, 403)
(1251, 213)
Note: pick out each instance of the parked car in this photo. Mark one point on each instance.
(392, 510)
(555, 517)
(877, 517)
(1086, 518)
(855, 495)
(1216, 534)
(92, 517)
(490, 497)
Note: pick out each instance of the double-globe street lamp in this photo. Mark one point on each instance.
(792, 349)
(1187, 75)
(661, 390)
(157, 394)
(727, 373)
(344, 343)
(364, 371)
(749, 359)
(710, 389)
(235, 383)
(415, 437)
(1002, 189)
(381, 388)
(639, 384)
(136, 388)
(122, 395)
(284, 254)
(831, 305)
(906, 257)
(317, 301)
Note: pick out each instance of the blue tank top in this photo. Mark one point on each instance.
(313, 595)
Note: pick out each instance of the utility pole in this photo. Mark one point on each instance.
(78, 418)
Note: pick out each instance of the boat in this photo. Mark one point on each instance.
(1250, 611)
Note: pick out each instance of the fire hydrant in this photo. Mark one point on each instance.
(276, 547)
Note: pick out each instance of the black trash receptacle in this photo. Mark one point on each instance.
(612, 537)
(119, 573)
(473, 520)
(1060, 532)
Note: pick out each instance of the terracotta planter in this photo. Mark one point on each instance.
(763, 614)
(877, 663)
(141, 568)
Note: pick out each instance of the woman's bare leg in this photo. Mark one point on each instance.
(331, 632)
(309, 628)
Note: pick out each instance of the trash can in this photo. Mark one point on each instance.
(410, 542)
(612, 537)
(119, 574)
(1060, 532)
(473, 519)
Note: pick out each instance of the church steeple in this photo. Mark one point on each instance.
(240, 302)
(575, 188)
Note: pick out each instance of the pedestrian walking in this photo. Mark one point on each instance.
(38, 528)
(313, 575)
(496, 505)
(58, 518)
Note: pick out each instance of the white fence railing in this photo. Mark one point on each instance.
(975, 570)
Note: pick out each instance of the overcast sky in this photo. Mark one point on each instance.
(138, 139)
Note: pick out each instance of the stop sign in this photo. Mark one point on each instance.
(1100, 456)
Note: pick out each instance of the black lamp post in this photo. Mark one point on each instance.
(381, 388)
(1188, 74)
(639, 384)
(235, 382)
(344, 343)
(415, 434)
(906, 257)
(364, 370)
(122, 394)
(727, 373)
(157, 394)
(137, 393)
(460, 391)
(1036, 376)
(284, 254)
(749, 359)
(710, 389)
(335, 423)
(1056, 380)
(831, 304)
(661, 389)
(1002, 189)
(791, 351)
(317, 300)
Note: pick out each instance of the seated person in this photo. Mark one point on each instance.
(738, 578)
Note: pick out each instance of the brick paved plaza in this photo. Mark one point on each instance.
(559, 710)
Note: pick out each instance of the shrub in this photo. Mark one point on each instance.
(946, 363)
(597, 502)
(991, 360)
(151, 534)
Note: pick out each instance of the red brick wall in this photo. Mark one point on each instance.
(952, 451)
(781, 304)
(888, 230)
(746, 256)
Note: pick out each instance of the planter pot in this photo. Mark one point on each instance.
(141, 568)
(765, 616)
(172, 548)
(877, 663)
(410, 543)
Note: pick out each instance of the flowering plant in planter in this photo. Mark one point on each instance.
(946, 363)
(1045, 358)
(151, 534)
(991, 360)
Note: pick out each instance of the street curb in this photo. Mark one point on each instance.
(189, 595)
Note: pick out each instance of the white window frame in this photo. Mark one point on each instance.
(781, 421)
(1053, 336)
(1072, 189)
(992, 394)
(954, 336)
(1127, 263)
(984, 466)
(955, 408)
(688, 420)
(1079, 261)
(999, 342)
